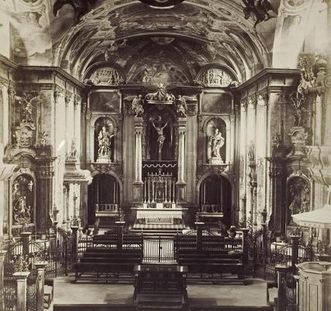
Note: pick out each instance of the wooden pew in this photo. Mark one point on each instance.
(100, 260)
(217, 255)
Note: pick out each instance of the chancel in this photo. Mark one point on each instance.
(165, 155)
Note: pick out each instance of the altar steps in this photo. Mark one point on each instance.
(156, 232)
(158, 229)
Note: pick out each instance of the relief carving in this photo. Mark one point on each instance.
(298, 197)
(23, 200)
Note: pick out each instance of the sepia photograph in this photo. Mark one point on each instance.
(165, 155)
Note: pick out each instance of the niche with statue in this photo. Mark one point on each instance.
(104, 132)
(216, 141)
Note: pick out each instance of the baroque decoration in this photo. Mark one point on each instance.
(215, 77)
(24, 132)
(23, 200)
(259, 10)
(81, 7)
(106, 76)
(160, 96)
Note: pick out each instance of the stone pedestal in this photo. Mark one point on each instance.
(314, 286)
(40, 266)
(215, 161)
(21, 278)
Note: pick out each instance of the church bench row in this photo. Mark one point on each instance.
(100, 260)
(212, 255)
(87, 268)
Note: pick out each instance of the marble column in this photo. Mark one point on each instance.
(261, 153)
(77, 128)
(242, 168)
(250, 143)
(69, 124)
(21, 279)
(138, 183)
(44, 198)
(181, 183)
(40, 266)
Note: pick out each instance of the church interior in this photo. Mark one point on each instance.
(165, 155)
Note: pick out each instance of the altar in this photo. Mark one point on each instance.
(159, 216)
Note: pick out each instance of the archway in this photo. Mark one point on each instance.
(215, 197)
(104, 189)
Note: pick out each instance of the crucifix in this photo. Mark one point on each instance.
(161, 137)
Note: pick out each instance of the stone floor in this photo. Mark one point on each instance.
(253, 294)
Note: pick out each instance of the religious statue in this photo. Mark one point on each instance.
(181, 106)
(161, 137)
(26, 108)
(259, 9)
(22, 212)
(137, 106)
(73, 150)
(215, 144)
(104, 142)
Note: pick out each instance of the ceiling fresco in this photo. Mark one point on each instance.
(190, 33)
(199, 32)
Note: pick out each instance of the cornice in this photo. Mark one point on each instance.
(269, 72)
(57, 70)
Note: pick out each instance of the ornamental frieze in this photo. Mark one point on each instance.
(204, 169)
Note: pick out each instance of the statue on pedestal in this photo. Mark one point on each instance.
(104, 141)
(137, 106)
(181, 106)
(215, 143)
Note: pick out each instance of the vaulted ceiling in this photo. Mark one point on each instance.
(192, 34)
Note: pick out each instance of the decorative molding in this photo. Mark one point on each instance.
(106, 168)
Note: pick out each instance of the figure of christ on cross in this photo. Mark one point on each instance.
(161, 137)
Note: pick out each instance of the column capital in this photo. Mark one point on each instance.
(40, 264)
(262, 99)
(77, 100)
(68, 97)
(252, 99)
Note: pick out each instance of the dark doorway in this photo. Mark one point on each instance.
(103, 190)
(216, 191)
